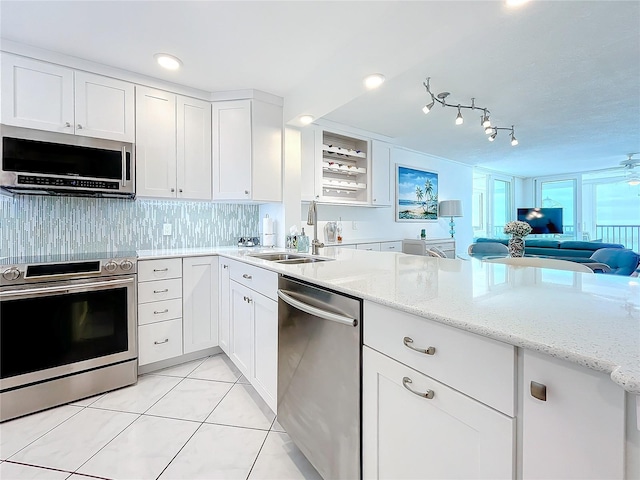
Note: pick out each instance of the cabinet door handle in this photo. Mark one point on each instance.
(391, 247)
(249, 300)
(247, 276)
(428, 394)
(180, 190)
(161, 291)
(160, 269)
(539, 391)
(225, 266)
(160, 343)
(246, 192)
(428, 351)
(166, 310)
(67, 124)
(79, 127)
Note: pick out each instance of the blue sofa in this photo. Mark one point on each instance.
(574, 250)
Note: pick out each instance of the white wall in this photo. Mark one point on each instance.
(367, 223)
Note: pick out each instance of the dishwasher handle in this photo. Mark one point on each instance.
(318, 312)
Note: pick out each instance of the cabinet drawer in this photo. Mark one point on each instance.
(159, 341)
(256, 278)
(480, 367)
(159, 269)
(391, 246)
(159, 290)
(159, 311)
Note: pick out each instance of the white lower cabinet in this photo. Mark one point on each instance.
(573, 421)
(224, 305)
(200, 303)
(253, 327)
(407, 435)
(177, 307)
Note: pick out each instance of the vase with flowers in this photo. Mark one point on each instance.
(518, 230)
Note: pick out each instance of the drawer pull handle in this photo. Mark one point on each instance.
(161, 291)
(160, 269)
(160, 343)
(539, 391)
(391, 248)
(428, 394)
(247, 276)
(429, 351)
(225, 266)
(159, 313)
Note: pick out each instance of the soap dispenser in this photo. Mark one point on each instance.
(303, 242)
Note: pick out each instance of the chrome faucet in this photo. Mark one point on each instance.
(312, 219)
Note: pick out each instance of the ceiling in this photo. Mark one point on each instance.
(566, 74)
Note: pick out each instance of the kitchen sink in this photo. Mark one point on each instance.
(293, 261)
(288, 258)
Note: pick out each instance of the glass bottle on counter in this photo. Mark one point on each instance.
(339, 230)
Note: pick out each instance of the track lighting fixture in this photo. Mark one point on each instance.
(485, 121)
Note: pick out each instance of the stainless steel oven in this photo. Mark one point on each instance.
(67, 330)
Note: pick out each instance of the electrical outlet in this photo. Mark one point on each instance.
(166, 229)
(354, 225)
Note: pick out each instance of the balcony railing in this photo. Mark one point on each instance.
(627, 235)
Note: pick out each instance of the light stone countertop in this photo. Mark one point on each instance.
(589, 319)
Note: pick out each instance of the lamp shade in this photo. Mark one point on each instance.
(450, 208)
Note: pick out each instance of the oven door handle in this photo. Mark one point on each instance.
(315, 311)
(42, 291)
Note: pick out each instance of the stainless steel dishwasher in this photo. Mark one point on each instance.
(319, 380)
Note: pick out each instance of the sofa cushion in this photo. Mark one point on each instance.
(541, 242)
(621, 261)
(504, 241)
(593, 246)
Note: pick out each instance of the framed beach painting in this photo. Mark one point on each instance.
(416, 194)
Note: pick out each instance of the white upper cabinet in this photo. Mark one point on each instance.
(194, 149)
(50, 97)
(173, 146)
(381, 185)
(155, 143)
(247, 151)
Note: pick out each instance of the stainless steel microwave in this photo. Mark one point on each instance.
(50, 163)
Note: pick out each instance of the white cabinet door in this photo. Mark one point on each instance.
(37, 94)
(104, 107)
(381, 185)
(266, 151)
(310, 165)
(407, 436)
(578, 432)
(264, 369)
(193, 149)
(232, 150)
(225, 295)
(200, 303)
(241, 336)
(155, 143)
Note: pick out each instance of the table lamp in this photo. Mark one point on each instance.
(450, 208)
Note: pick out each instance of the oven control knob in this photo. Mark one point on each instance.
(111, 266)
(11, 273)
(126, 265)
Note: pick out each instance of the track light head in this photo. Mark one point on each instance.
(427, 108)
(493, 136)
(485, 122)
(488, 130)
(459, 119)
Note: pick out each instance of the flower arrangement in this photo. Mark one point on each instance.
(517, 228)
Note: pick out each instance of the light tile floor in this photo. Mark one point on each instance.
(198, 420)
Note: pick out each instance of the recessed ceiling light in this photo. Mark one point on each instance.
(168, 61)
(374, 81)
(306, 119)
(515, 3)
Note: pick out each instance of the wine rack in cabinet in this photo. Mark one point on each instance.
(345, 169)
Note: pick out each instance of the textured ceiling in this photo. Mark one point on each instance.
(566, 74)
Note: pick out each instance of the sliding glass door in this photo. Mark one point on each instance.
(556, 192)
(493, 204)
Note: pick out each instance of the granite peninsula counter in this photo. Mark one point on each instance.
(591, 320)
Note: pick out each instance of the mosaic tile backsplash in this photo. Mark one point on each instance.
(36, 225)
